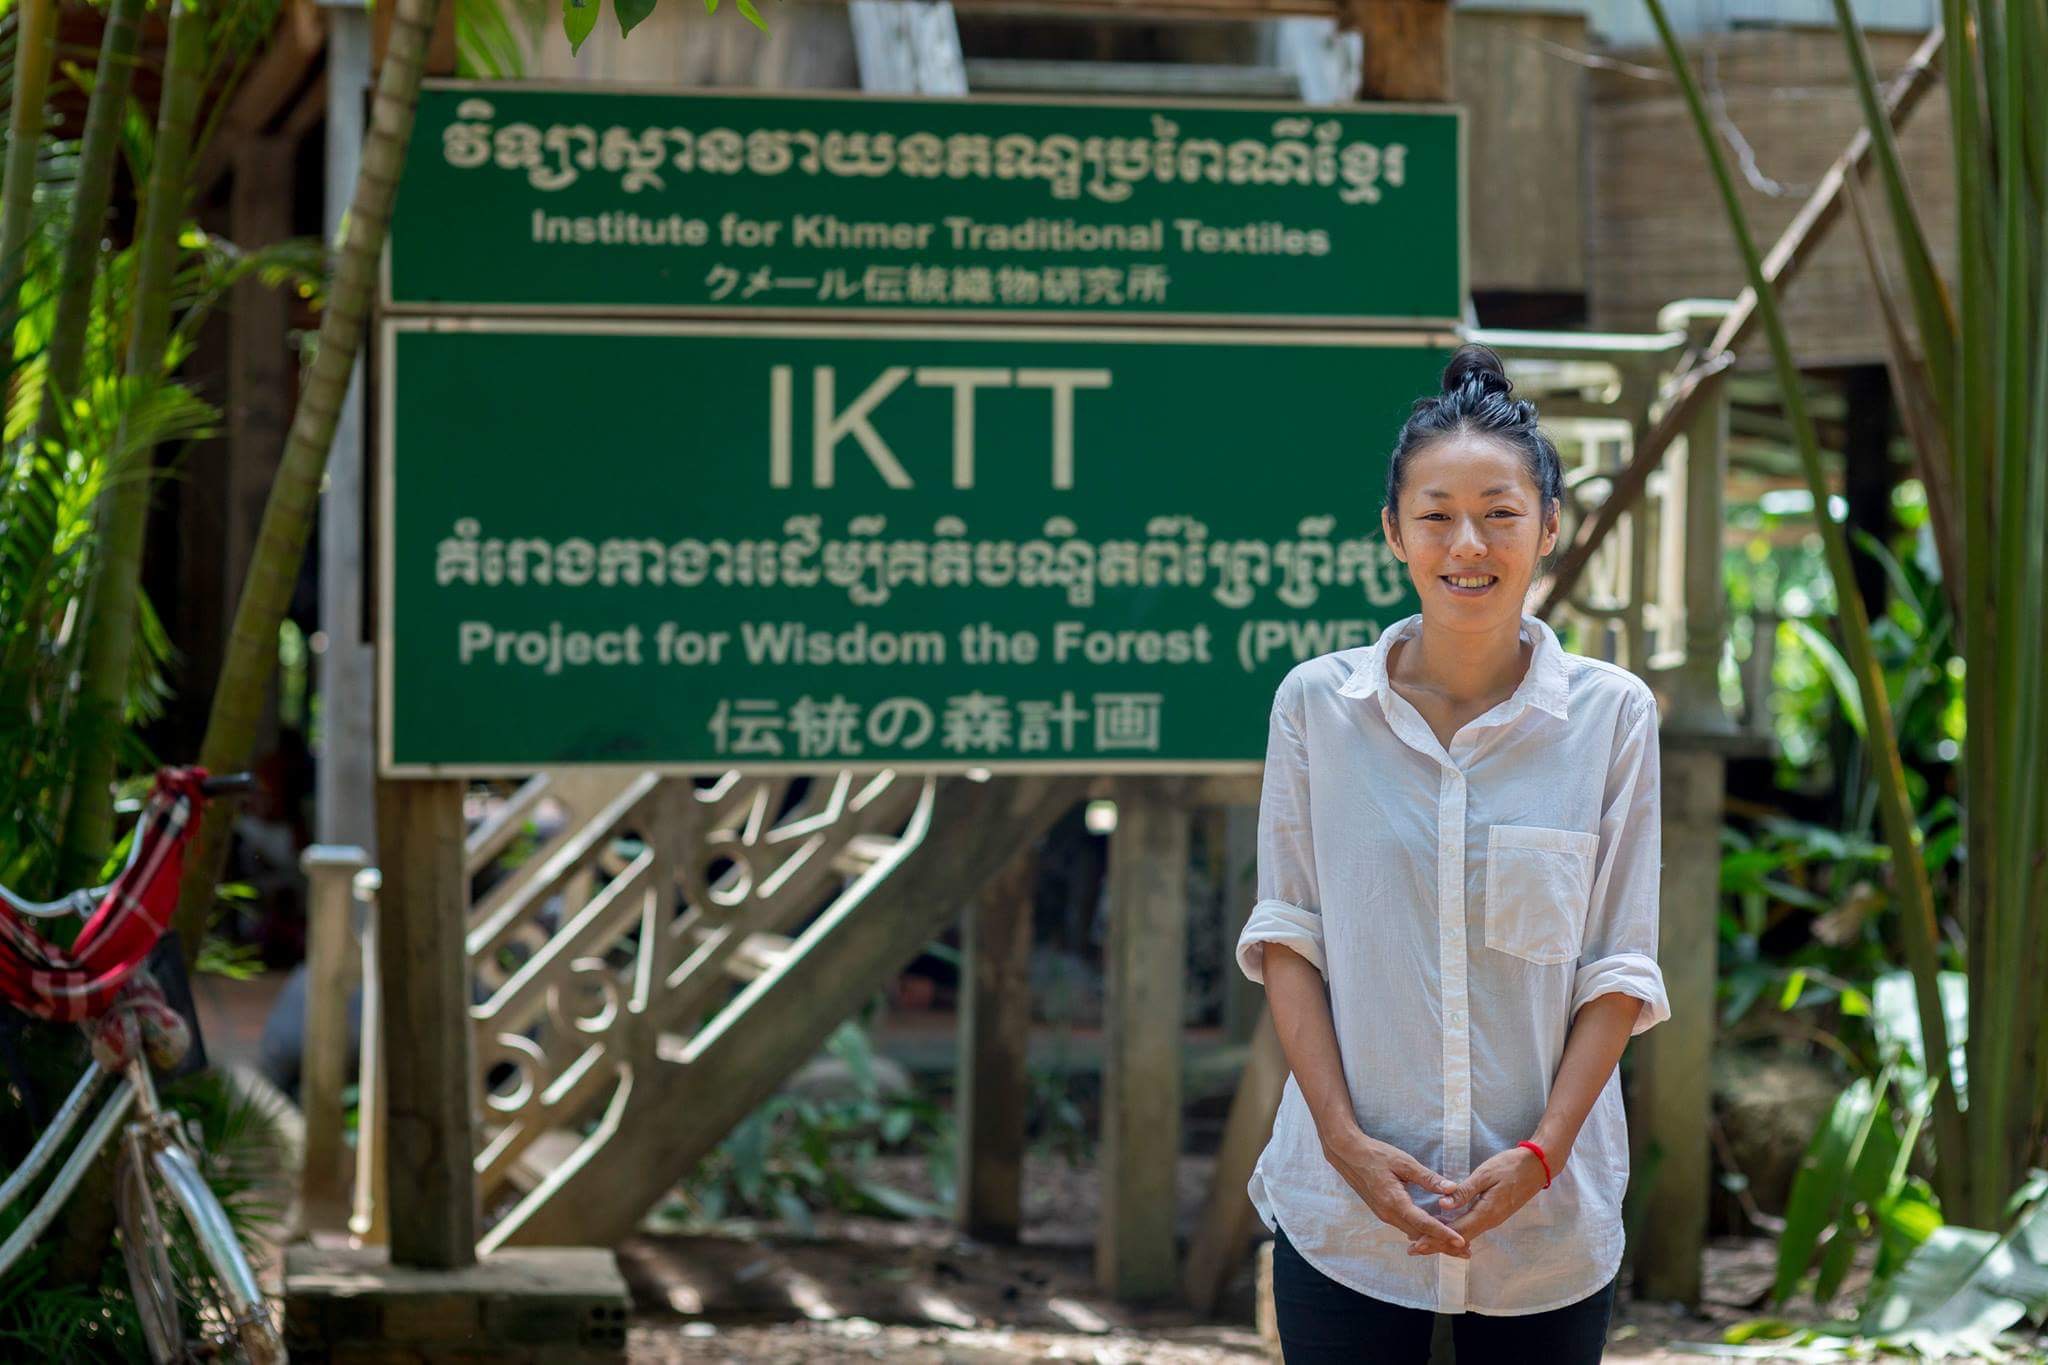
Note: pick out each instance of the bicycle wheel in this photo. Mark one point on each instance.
(193, 1286)
(151, 1276)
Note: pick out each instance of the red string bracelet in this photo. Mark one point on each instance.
(1540, 1157)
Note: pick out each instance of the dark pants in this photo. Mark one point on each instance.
(1323, 1322)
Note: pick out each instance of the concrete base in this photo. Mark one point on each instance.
(522, 1306)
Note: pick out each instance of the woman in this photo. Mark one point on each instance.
(1457, 931)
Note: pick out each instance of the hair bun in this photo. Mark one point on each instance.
(1477, 365)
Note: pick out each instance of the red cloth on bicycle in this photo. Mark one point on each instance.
(80, 982)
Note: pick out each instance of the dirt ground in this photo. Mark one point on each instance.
(868, 1289)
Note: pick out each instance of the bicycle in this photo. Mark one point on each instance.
(97, 982)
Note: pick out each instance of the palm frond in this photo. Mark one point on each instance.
(1932, 309)
(493, 37)
(1918, 402)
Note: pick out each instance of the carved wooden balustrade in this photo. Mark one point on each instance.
(648, 942)
(1596, 394)
(620, 938)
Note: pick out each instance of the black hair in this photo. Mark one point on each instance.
(1477, 399)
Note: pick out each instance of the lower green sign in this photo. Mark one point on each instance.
(700, 547)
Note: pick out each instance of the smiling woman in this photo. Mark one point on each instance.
(1482, 486)
(1456, 926)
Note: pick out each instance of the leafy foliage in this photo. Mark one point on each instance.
(579, 20)
(75, 430)
(1972, 375)
(793, 1157)
(103, 433)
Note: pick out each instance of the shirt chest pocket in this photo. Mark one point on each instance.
(1538, 884)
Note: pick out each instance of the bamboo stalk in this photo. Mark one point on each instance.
(124, 505)
(2034, 614)
(2023, 564)
(1975, 494)
(1976, 789)
(90, 195)
(98, 151)
(2028, 866)
(294, 495)
(2013, 818)
(35, 45)
(1921, 933)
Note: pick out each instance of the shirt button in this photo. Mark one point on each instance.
(1458, 1018)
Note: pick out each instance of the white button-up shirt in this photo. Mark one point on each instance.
(1462, 906)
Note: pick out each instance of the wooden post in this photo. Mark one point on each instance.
(1673, 1064)
(1672, 1075)
(1244, 1000)
(345, 801)
(430, 1137)
(372, 1201)
(995, 1031)
(1407, 49)
(1227, 1222)
(1147, 967)
(332, 960)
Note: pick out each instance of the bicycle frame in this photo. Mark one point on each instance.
(152, 1135)
(97, 1135)
(133, 1089)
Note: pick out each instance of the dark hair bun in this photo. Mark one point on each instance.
(1477, 365)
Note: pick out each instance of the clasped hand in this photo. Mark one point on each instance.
(1489, 1196)
(1483, 1200)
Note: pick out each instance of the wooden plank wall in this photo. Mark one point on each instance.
(1525, 110)
(1658, 231)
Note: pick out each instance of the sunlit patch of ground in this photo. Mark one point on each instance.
(867, 1289)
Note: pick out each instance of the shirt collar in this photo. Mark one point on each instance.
(1544, 686)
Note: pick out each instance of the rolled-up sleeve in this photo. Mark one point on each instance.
(1618, 955)
(1289, 909)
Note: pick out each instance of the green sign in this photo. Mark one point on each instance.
(522, 199)
(700, 546)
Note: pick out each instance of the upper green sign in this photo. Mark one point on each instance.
(523, 198)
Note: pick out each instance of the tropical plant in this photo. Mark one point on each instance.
(1937, 1289)
(95, 336)
(113, 603)
(1974, 374)
(494, 37)
(82, 424)
(287, 524)
(1855, 1183)
(796, 1156)
(1803, 901)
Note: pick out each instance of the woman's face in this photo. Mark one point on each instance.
(1471, 528)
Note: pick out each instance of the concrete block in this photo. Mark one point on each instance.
(450, 1316)
(537, 1305)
